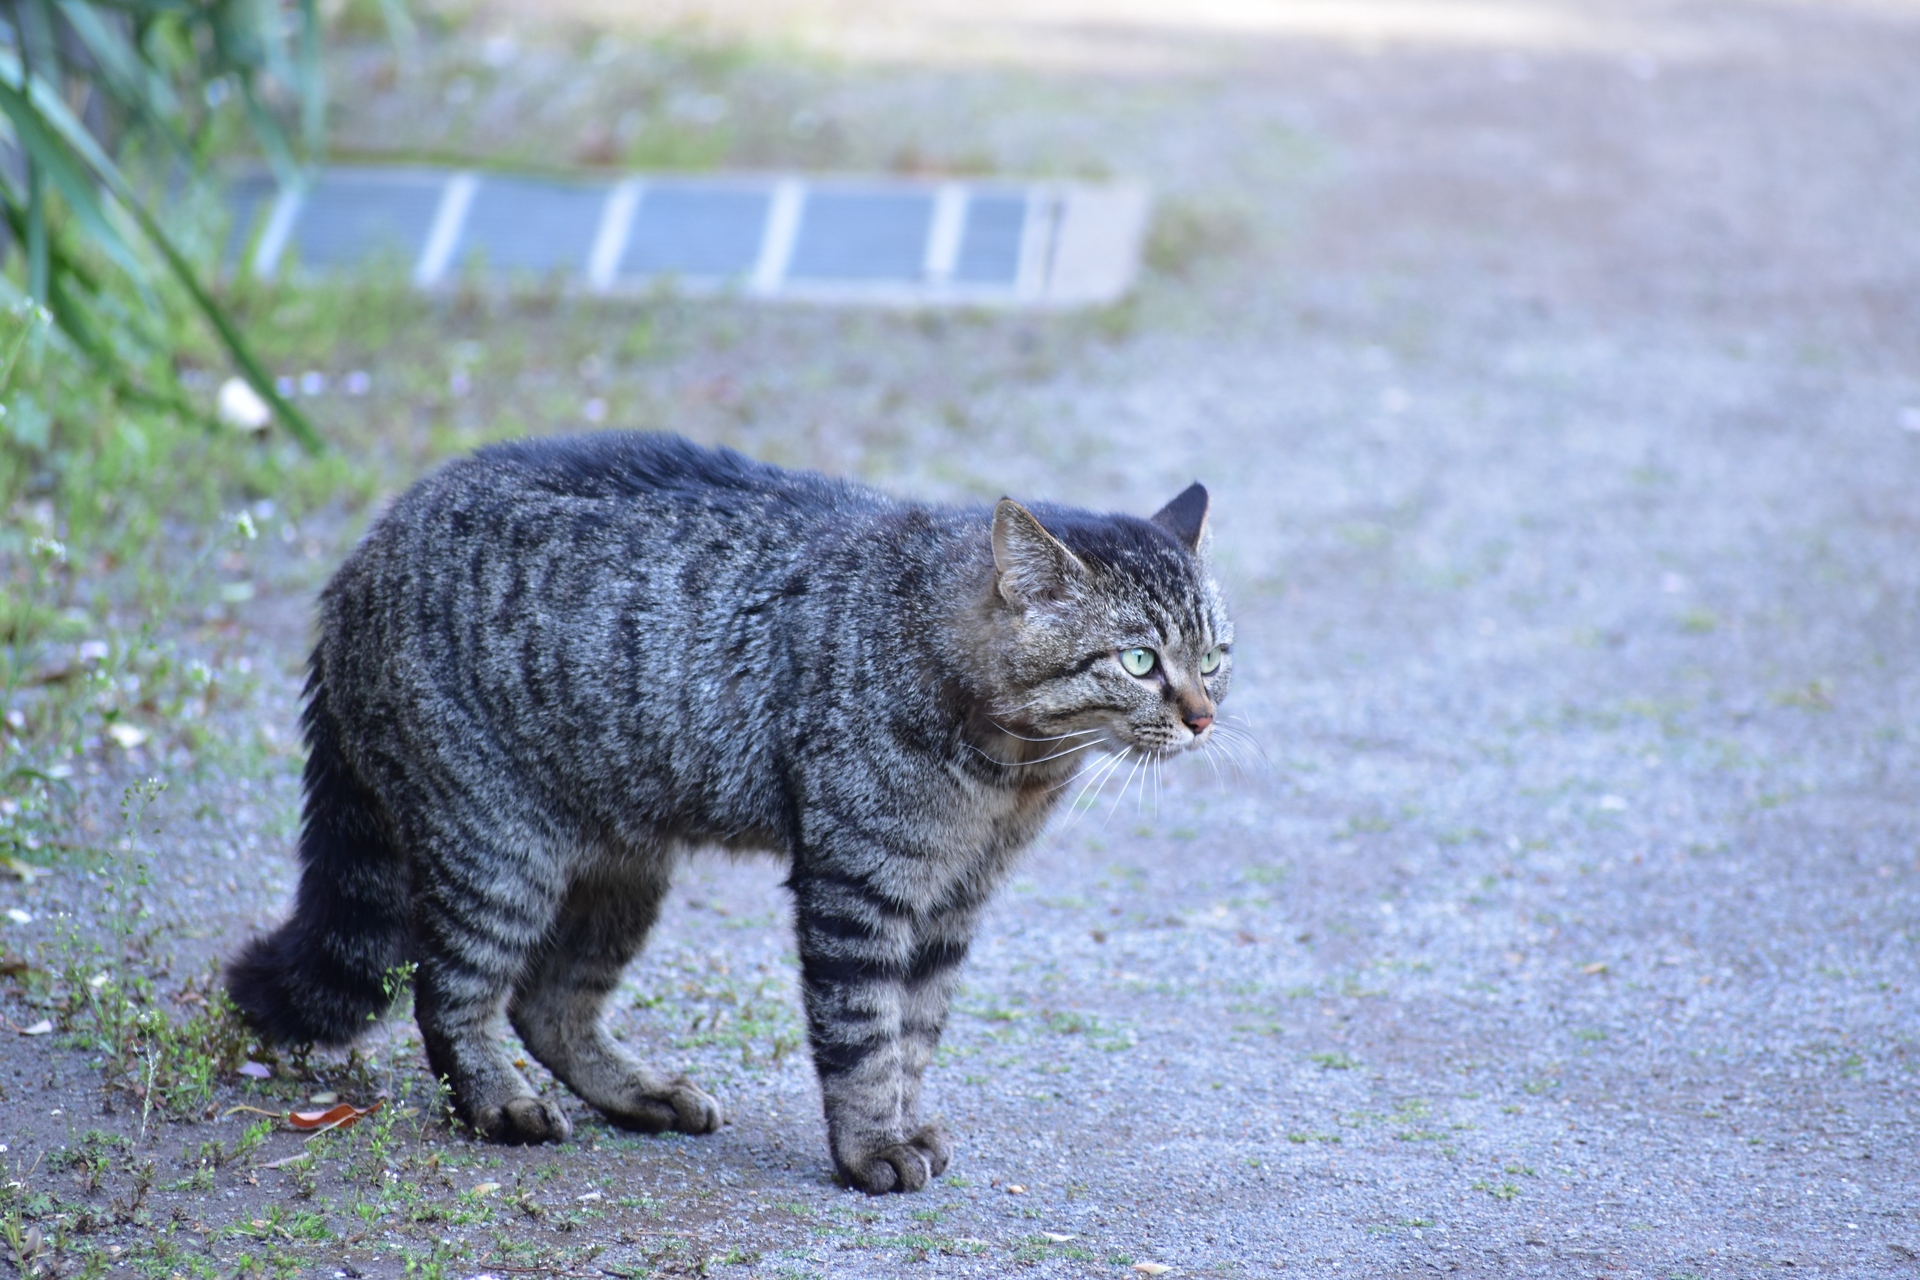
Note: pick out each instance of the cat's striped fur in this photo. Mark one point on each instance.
(555, 666)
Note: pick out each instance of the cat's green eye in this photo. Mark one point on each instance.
(1137, 661)
(1210, 660)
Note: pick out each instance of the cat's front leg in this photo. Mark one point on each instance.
(878, 976)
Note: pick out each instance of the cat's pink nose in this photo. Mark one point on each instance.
(1197, 723)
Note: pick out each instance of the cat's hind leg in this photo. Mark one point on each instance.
(558, 1002)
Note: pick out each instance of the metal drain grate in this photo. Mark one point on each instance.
(843, 239)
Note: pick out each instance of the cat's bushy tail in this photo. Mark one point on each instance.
(321, 977)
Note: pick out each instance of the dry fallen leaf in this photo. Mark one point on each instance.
(39, 1028)
(486, 1189)
(1598, 966)
(1152, 1268)
(1058, 1238)
(256, 1070)
(339, 1116)
(1016, 1190)
(589, 1196)
(324, 1099)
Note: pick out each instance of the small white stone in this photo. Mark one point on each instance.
(241, 407)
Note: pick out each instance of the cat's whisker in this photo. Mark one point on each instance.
(1228, 733)
(1022, 764)
(1058, 755)
(1243, 732)
(1100, 773)
(1206, 749)
(1123, 793)
(1240, 742)
(1075, 733)
(1078, 773)
(1099, 784)
(1225, 749)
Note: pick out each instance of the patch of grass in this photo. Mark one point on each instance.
(1815, 695)
(1334, 1061)
(1038, 1249)
(1187, 234)
(168, 1050)
(752, 1014)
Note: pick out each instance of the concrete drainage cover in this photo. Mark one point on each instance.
(876, 240)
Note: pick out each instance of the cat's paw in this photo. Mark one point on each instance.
(523, 1120)
(903, 1166)
(682, 1107)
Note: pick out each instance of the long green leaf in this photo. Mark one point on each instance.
(32, 319)
(18, 108)
(133, 81)
(312, 81)
(50, 158)
(295, 421)
(273, 140)
(36, 45)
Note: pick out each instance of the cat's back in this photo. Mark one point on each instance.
(570, 512)
(644, 474)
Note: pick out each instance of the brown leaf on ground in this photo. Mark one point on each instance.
(339, 1116)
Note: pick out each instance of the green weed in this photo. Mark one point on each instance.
(1334, 1061)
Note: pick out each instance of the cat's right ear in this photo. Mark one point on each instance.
(1186, 517)
(1034, 565)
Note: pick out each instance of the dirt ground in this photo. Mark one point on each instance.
(1555, 370)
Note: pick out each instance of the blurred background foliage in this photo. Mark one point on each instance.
(118, 121)
(114, 111)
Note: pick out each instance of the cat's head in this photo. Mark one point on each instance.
(1112, 628)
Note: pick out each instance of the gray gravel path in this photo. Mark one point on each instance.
(1561, 407)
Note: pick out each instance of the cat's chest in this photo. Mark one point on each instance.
(1003, 815)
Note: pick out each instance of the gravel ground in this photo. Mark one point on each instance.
(1560, 400)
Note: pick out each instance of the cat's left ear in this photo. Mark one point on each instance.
(1034, 566)
(1186, 517)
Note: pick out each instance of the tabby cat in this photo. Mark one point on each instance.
(556, 666)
